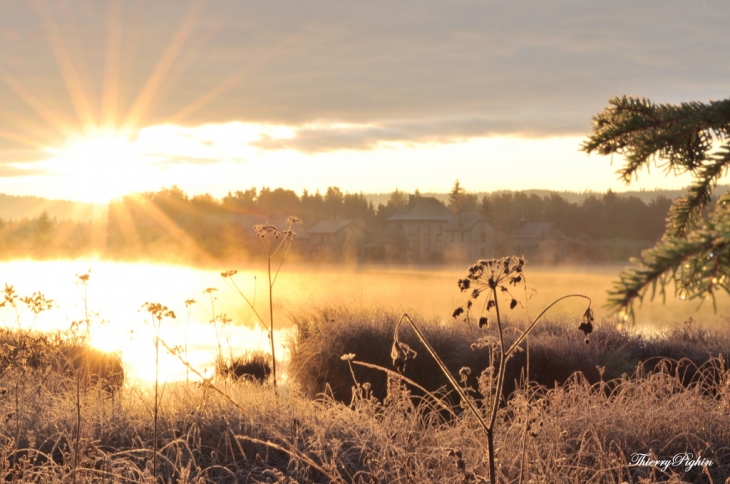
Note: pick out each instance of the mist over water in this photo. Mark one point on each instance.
(116, 291)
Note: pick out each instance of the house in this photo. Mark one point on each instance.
(337, 239)
(541, 242)
(468, 236)
(422, 222)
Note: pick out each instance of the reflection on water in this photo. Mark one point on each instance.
(116, 292)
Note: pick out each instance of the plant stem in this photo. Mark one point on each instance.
(157, 375)
(271, 324)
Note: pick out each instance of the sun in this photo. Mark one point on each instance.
(98, 168)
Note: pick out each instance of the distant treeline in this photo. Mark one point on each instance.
(168, 222)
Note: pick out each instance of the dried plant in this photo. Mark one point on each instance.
(493, 277)
(157, 313)
(268, 235)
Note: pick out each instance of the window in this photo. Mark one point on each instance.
(427, 230)
(438, 244)
(463, 239)
(427, 244)
(484, 236)
(439, 231)
(411, 229)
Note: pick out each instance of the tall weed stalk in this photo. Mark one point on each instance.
(268, 234)
(493, 277)
(157, 313)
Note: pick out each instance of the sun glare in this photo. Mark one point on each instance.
(98, 168)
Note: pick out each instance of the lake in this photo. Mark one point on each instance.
(115, 292)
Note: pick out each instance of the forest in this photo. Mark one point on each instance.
(170, 223)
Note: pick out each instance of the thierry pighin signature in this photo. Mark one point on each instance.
(685, 460)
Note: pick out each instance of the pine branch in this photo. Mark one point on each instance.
(642, 132)
(687, 211)
(698, 265)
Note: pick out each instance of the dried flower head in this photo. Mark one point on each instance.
(464, 373)
(266, 230)
(483, 322)
(586, 324)
(401, 353)
(348, 357)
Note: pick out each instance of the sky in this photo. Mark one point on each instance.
(102, 97)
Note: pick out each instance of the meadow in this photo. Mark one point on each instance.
(354, 419)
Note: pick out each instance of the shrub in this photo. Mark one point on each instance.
(252, 366)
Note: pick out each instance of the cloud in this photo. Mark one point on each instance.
(324, 138)
(387, 71)
(11, 171)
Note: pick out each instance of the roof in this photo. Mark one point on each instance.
(537, 230)
(466, 221)
(329, 226)
(423, 208)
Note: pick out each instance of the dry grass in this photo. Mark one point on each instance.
(574, 432)
(557, 350)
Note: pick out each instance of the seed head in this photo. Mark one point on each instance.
(464, 373)
(586, 322)
(266, 230)
(401, 353)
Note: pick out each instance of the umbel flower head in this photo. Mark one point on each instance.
(266, 230)
(491, 275)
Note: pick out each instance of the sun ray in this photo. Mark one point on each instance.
(112, 66)
(207, 97)
(99, 233)
(167, 224)
(22, 139)
(163, 66)
(74, 87)
(122, 217)
(120, 213)
(287, 42)
(56, 121)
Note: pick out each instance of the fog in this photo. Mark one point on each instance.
(115, 293)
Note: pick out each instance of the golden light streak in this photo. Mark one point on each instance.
(209, 96)
(74, 87)
(270, 54)
(163, 66)
(170, 226)
(58, 123)
(19, 138)
(110, 96)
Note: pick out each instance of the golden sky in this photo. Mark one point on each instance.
(102, 97)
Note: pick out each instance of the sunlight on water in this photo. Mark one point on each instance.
(114, 297)
(117, 291)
